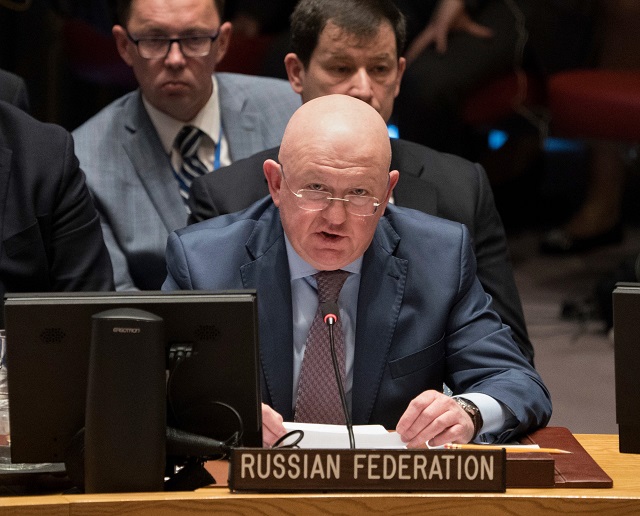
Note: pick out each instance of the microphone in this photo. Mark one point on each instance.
(330, 312)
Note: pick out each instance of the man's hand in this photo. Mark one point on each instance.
(272, 427)
(450, 15)
(435, 418)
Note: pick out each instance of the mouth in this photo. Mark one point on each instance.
(330, 237)
(175, 86)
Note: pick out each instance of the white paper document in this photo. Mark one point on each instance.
(365, 436)
(336, 436)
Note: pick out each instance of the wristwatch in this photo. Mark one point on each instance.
(474, 413)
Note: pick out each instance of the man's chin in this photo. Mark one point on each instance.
(329, 260)
(178, 107)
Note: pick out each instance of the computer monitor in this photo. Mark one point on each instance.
(48, 346)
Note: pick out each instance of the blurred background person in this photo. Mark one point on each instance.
(51, 236)
(141, 152)
(598, 219)
(454, 47)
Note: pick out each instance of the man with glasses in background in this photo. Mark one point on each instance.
(141, 152)
(413, 313)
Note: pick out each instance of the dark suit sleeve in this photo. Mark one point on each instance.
(201, 205)
(231, 188)
(456, 189)
(78, 259)
(481, 359)
(21, 98)
(494, 265)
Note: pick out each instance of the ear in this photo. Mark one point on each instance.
(394, 175)
(274, 179)
(123, 44)
(402, 66)
(295, 72)
(223, 41)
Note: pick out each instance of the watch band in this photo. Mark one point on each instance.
(474, 413)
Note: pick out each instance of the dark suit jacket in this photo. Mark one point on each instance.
(433, 182)
(416, 264)
(14, 90)
(51, 236)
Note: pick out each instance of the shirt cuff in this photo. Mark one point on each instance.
(495, 416)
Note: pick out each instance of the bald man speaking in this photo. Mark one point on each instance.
(412, 312)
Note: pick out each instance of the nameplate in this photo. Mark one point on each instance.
(284, 470)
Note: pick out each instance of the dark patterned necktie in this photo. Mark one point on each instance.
(187, 143)
(318, 396)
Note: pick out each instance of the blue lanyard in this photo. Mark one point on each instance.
(216, 155)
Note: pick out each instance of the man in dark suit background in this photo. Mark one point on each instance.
(353, 47)
(14, 90)
(51, 236)
(413, 313)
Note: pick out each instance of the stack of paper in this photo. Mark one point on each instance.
(336, 436)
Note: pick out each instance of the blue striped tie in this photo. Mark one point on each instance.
(187, 142)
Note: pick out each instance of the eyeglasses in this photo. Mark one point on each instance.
(318, 200)
(158, 48)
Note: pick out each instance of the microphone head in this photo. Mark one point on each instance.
(330, 312)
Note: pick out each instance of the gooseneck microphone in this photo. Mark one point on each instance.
(330, 317)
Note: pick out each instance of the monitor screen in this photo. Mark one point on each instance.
(48, 347)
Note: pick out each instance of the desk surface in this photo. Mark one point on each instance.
(623, 498)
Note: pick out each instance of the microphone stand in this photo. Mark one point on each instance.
(330, 318)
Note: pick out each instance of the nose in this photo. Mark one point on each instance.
(174, 56)
(336, 212)
(361, 86)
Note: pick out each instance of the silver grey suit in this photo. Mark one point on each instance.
(130, 176)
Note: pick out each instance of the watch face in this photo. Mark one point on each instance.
(464, 404)
(474, 414)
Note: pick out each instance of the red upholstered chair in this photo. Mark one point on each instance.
(515, 103)
(603, 104)
(503, 97)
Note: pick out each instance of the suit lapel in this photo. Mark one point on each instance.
(239, 123)
(268, 273)
(153, 166)
(412, 191)
(379, 301)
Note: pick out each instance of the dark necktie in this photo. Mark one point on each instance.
(318, 396)
(187, 143)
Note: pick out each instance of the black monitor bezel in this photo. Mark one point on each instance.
(43, 412)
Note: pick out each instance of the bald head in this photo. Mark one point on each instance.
(333, 180)
(341, 124)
